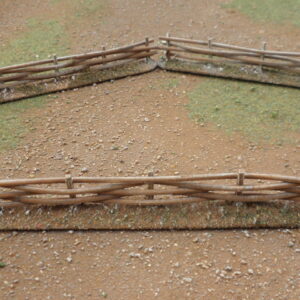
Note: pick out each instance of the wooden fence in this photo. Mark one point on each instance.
(212, 52)
(58, 67)
(149, 190)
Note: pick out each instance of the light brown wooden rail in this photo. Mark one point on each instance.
(149, 190)
(58, 67)
(182, 48)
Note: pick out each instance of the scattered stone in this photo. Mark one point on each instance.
(84, 170)
(228, 268)
(104, 294)
(69, 259)
(250, 272)
(134, 255)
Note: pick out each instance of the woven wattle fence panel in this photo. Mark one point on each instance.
(231, 61)
(182, 55)
(57, 67)
(149, 190)
(60, 73)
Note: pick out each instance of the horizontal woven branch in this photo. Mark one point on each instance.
(174, 47)
(57, 67)
(51, 70)
(148, 190)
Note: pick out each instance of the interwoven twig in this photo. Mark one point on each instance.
(149, 190)
(182, 49)
(17, 75)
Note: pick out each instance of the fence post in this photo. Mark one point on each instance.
(56, 70)
(168, 54)
(264, 47)
(240, 180)
(150, 187)
(69, 183)
(103, 49)
(210, 46)
(147, 45)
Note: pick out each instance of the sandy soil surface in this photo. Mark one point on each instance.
(151, 265)
(133, 126)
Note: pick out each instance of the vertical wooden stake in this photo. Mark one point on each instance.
(56, 70)
(264, 47)
(168, 54)
(240, 180)
(69, 183)
(147, 45)
(103, 49)
(210, 45)
(150, 187)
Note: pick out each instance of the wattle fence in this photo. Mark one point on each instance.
(149, 190)
(62, 73)
(212, 52)
(58, 67)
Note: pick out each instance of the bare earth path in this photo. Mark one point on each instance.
(133, 126)
(151, 265)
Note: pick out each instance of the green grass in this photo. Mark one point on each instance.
(12, 125)
(88, 8)
(277, 11)
(42, 38)
(2, 264)
(170, 83)
(83, 8)
(260, 112)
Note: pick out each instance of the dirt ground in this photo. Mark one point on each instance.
(151, 265)
(130, 127)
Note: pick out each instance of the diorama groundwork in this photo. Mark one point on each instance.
(150, 123)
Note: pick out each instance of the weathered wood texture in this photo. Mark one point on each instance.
(149, 191)
(60, 73)
(229, 61)
(211, 58)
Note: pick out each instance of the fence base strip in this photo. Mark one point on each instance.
(231, 71)
(204, 215)
(113, 71)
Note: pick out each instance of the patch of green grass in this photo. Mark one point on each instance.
(88, 7)
(260, 112)
(82, 8)
(12, 125)
(42, 38)
(277, 11)
(170, 83)
(2, 264)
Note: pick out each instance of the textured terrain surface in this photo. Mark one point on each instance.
(133, 126)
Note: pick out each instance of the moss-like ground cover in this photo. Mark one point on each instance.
(277, 11)
(262, 113)
(48, 36)
(32, 44)
(40, 39)
(12, 125)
